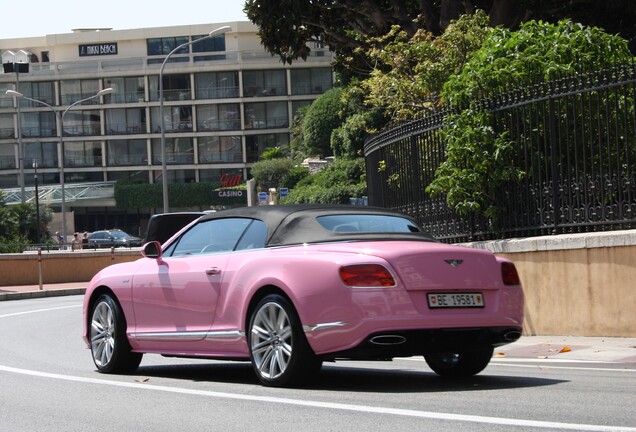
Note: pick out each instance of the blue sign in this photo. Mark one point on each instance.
(283, 192)
(262, 196)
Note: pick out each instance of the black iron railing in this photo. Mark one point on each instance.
(575, 143)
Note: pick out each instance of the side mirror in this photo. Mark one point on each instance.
(152, 250)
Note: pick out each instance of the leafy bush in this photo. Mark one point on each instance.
(271, 173)
(320, 119)
(335, 184)
(480, 160)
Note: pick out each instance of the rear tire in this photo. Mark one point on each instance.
(109, 345)
(280, 353)
(462, 364)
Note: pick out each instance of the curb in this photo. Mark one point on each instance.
(41, 294)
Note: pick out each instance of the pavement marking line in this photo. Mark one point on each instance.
(39, 310)
(330, 405)
(548, 366)
(545, 364)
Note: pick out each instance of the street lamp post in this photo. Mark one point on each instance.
(37, 201)
(164, 167)
(60, 135)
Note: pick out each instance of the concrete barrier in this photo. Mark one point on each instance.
(576, 284)
(59, 266)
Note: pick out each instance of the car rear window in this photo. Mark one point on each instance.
(365, 223)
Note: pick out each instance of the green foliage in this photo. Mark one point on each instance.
(335, 184)
(479, 163)
(347, 141)
(295, 175)
(275, 153)
(411, 71)
(182, 195)
(321, 118)
(271, 173)
(479, 160)
(538, 51)
(19, 224)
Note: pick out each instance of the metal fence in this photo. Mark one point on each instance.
(575, 142)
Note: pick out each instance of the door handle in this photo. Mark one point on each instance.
(213, 271)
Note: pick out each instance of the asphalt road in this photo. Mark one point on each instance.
(48, 383)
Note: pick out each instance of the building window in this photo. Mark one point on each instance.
(163, 46)
(266, 115)
(82, 123)
(128, 176)
(178, 151)
(7, 156)
(216, 85)
(220, 149)
(38, 124)
(125, 121)
(127, 152)
(7, 127)
(42, 91)
(45, 153)
(257, 144)
(74, 90)
(175, 87)
(84, 177)
(82, 154)
(176, 176)
(125, 89)
(296, 105)
(264, 83)
(176, 118)
(213, 44)
(310, 81)
(218, 117)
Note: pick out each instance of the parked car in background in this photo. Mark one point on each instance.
(164, 225)
(288, 287)
(112, 238)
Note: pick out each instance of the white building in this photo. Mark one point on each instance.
(225, 101)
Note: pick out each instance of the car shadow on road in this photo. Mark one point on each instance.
(356, 379)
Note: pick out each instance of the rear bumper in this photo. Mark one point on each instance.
(406, 343)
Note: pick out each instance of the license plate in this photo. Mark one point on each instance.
(455, 300)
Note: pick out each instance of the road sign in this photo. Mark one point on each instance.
(262, 197)
(282, 192)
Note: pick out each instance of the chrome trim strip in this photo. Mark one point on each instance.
(224, 334)
(170, 335)
(323, 326)
(189, 336)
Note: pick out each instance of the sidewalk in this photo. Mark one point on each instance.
(561, 348)
(48, 290)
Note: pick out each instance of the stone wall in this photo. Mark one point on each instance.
(576, 285)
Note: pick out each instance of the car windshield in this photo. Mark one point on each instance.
(362, 223)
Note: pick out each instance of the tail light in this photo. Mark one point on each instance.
(509, 274)
(366, 275)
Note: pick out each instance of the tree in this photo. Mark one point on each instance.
(346, 25)
(321, 118)
(480, 159)
(410, 72)
(19, 224)
(270, 173)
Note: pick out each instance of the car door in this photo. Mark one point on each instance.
(175, 297)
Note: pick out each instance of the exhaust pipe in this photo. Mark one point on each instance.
(511, 336)
(388, 340)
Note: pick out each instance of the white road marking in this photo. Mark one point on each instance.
(39, 310)
(330, 405)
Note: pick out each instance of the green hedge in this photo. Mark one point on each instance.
(181, 195)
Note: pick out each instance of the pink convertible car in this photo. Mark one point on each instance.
(288, 287)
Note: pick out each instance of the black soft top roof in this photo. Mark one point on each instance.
(297, 224)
